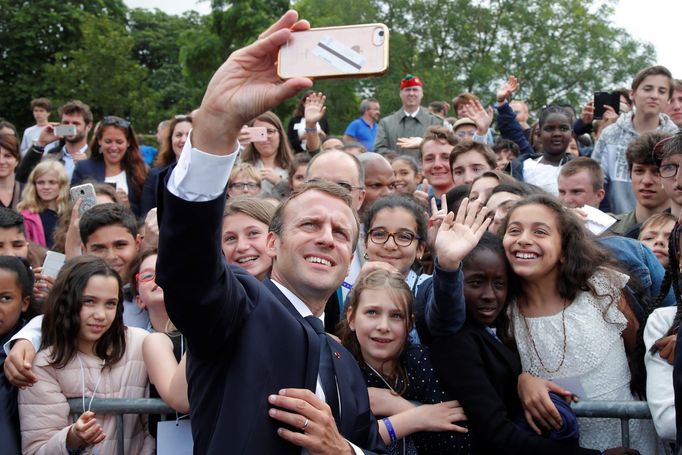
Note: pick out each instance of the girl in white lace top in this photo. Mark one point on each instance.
(570, 319)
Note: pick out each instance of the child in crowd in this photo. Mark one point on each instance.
(245, 231)
(657, 342)
(570, 315)
(481, 366)
(45, 198)
(86, 352)
(379, 318)
(407, 174)
(16, 287)
(163, 350)
(655, 232)
(244, 181)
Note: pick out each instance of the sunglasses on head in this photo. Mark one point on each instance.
(117, 121)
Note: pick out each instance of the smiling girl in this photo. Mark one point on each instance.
(378, 319)
(86, 353)
(245, 229)
(570, 315)
(44, 200)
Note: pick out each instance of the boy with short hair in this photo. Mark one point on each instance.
(41, 108)
(651, 89)
(12, 235)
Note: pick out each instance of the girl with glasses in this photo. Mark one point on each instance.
(115, 159)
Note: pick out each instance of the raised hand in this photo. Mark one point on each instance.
(422, 196)
(457, 236)
(409, 142)
(505, 91)
(314, 109)
(245, 86)
(476, 112)
(587, 114)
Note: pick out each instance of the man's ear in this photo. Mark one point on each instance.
(600, 194)
(272, 243)
(83, 249)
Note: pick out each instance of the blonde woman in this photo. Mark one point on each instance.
(44, 199)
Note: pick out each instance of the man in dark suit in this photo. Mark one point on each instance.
(256, 384)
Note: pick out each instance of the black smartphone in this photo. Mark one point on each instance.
(605, 98)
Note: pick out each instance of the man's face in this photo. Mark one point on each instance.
(40, 114)
(379, 181)
(81, 128)
(651, 96)
(332, 144)
(411, 97)
(521, 110)
(646, 184)
(577, 190)
(13, 242)
(116, 245)
(338, 167)
(436, 164)
(374, 111)
(671, 185)
(674, 108)
(467, 167)
(313, 253)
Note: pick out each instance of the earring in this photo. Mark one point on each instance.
(365, 257)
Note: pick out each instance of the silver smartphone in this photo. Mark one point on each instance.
(65, 130)
(86, 192)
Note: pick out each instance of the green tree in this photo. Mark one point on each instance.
(31, 34)
(102, 73)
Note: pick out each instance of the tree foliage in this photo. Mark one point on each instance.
(148, 65)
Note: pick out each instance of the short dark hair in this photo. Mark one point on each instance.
(25, 279)
(43, 103)
(463, 98)
(440, 106)
(506, 144)
(11, 144)
(656, 70)
(76, 107)
(673, 146)
(473, 146)
(11, 219)
(640, 150)
(108, 214)
(437, 133)
(329, 188)
(62, 313)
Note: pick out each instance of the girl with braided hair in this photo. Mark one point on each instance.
(656, 345)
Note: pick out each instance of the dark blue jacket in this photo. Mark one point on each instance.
(9, 413)
(246, 341)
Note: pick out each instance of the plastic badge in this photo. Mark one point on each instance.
(174, 437)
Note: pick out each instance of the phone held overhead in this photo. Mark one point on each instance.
(335, 52)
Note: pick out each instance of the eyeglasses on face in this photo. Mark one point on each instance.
(145, 277)
(244, 186)
(118, 121)
(401, 238)
(668, 171)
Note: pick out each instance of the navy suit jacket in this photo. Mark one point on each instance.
(94, 170)
(246, 341)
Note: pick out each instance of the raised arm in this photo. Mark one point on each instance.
(206, 300)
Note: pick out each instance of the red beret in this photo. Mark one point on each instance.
(411, 81)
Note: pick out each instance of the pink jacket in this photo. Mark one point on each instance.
(44, 412)
(33, 226)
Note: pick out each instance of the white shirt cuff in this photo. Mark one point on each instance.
(31, 331)
(200, 176)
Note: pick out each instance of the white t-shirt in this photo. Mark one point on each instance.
(120, 181)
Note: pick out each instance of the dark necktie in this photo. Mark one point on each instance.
(326, 369)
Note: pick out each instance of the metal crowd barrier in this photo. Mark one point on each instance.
(622, 410)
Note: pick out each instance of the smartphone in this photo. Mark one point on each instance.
(53, 263)
(605, 98)
(65, 130)
(255, 134)
(335, 52)
(86, 192)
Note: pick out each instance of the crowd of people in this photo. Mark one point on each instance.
(424, 283)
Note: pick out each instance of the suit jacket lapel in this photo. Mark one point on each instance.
(313, 348)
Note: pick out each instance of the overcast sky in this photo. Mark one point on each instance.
(655, 22)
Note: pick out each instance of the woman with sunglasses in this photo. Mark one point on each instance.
(115, 158)
(172, 143)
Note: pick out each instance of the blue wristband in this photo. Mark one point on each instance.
(389, 428)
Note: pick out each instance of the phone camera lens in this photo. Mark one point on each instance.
(381, 33)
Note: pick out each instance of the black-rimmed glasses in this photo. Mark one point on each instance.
(401, 238)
